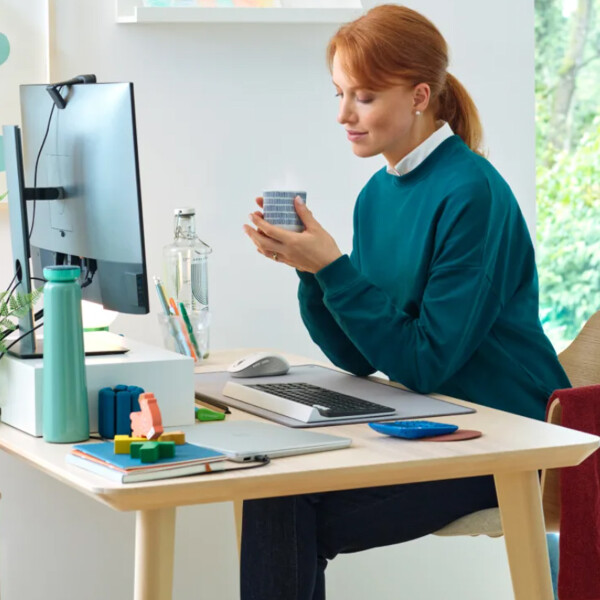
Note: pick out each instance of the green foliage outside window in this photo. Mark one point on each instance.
(568, 163)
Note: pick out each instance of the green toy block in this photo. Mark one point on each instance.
(134, 449)
(147, 452)
(150, 452)
(166, 449)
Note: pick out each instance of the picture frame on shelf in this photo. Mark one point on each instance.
(232, 11)
(213, 3)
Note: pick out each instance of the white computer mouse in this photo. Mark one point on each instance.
(259, 364)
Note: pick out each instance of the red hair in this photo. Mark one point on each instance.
(391, 45)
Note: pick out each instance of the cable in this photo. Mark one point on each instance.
(6, 300)
(262, 460)
(12, 291)
(37, 160)
(13, 342)
(91, 268)
(10, 284)
(5, 333)
(38, 315)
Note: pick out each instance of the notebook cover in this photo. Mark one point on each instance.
(138, 475)
(184, 454)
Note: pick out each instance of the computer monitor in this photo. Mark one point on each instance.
(89, 164)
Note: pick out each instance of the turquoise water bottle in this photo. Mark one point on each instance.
(65, 401)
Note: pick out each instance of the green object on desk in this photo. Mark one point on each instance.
(205, 414)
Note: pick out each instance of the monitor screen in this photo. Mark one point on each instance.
(91, 153)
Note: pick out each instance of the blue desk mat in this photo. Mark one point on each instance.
(408, 405)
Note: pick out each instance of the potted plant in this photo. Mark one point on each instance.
(13, 307)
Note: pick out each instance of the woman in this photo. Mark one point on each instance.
(440, 294)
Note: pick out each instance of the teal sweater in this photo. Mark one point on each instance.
(440, 292)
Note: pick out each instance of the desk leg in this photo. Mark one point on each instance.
(520, 503)
(238, 511)
(154, 551)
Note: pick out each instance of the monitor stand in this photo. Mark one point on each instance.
(96, 343)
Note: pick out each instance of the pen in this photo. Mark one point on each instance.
(161, 295)
(173, 328)
(182, 327)
(190, 329)
(180, 336)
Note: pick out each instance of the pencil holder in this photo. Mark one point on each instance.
(176, 337)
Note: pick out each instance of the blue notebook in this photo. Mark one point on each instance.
(100, 458)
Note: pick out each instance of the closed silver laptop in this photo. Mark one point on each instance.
(244, 440)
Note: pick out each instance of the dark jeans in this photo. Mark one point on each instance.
(286, 542)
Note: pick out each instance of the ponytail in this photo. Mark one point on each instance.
(392, 44)
(456, 107)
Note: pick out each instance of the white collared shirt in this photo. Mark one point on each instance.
(422, 151)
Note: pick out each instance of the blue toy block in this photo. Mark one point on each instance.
(123, 410)
(115, 406)
(135, 392)
(106, 413)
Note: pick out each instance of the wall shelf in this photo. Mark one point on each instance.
(130, 11)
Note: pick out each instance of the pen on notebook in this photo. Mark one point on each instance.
(190, 329)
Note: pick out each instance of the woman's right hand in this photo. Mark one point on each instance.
(260, 201)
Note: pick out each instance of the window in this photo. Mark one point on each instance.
(567, 85)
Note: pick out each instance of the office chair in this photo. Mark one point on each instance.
(581, 362)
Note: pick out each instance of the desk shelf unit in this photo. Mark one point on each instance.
(133, 11)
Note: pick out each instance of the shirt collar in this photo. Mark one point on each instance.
(415, 157)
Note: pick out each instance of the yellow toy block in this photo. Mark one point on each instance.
(173, 436)
(123, 443)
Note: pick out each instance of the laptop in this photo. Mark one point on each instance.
(244, 440)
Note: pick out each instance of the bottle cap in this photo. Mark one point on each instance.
(184, 212)
(62, 273)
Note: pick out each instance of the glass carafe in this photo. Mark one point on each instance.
(186, 276)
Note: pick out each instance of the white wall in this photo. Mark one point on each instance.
(224, 111)
(26, 27)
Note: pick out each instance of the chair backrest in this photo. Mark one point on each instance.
(581, 362)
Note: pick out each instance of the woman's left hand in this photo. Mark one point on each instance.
(310, 250)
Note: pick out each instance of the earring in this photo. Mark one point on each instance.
(417, 113)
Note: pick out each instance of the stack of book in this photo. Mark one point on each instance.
(189, 459)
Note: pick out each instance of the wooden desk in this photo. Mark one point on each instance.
(512, 448)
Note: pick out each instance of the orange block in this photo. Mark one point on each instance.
(148, 421)
(173, 436)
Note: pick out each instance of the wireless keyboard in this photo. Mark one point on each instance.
(304, 402)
